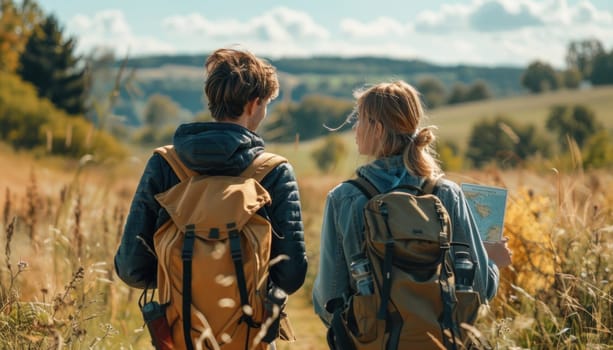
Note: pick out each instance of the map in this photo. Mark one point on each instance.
(487, 204)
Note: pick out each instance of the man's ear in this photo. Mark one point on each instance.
(251, 106)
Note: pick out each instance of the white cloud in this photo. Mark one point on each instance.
(479, 15)
(448, 18)
(280, 24)
(490, 32)
(495, 16)
(110, 29)
(382, 27)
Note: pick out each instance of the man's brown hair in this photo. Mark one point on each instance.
(234, 78)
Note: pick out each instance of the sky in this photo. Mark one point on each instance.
(481, 32)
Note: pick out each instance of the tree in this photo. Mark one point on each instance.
(503, 141)
(306, 119)
(539, 77)
(478, 91)
(106, 84)
(571, 78)
(16, 25)
(160, 110)
(598, 151)
(329, 153)
(458, 94)
(602, 72)
(432, 91)
(49, 63)
(578, 122)
(581, 55)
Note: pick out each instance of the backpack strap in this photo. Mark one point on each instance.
(186, 256)
(262, 165)
(258, 169)
(367, 188)
(431, 184)
(169, 153)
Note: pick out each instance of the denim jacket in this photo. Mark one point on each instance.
(343, 226)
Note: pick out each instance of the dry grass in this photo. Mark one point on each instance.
(58, 284)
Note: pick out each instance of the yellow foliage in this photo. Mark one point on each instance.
(30, 122)
(527, 226)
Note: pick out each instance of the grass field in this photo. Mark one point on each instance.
(69, 216)
(455, 122)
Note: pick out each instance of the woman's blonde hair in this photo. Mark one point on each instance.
(397, 108)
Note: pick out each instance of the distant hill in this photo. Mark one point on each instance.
(181, 77)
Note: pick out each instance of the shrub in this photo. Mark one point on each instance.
(330, 153)
(598, 150)
(31, 123)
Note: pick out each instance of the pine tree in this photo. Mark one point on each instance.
(49, 63)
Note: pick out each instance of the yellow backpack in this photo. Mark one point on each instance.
(408, 293)
(214, 256)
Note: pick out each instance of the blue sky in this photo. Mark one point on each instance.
(484, 32)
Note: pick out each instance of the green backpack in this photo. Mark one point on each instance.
(413, 302)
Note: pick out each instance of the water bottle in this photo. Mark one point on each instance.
(360, 271)
(155, 318)
(464, 271)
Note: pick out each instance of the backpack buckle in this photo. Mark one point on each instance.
(188, 243)
(235, 245)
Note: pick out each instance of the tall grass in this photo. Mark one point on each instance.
(557, 293)
(57, 284)
(58, 288)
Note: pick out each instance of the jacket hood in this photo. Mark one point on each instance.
(217, 148)
(389, 172)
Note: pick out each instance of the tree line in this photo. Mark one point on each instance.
(586, 61)
(85, 92)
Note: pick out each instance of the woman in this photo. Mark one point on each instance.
(386, 129)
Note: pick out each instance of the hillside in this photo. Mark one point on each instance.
(455, 122)
(181, 78)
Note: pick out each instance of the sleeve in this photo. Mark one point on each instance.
(332, 277)
(466, 231)
(288, 238)
(135, 260)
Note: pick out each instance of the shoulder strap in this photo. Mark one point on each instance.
(262, 165)
(368, 189)
(169, 153)
(431, 184)
(258, 169)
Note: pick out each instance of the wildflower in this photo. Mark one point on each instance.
(22, 265)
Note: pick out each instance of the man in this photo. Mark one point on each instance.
(239, 86)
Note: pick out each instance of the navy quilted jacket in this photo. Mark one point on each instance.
(212, 149)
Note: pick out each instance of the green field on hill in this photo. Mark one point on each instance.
(455, 123)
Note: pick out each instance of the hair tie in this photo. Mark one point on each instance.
(412, 136)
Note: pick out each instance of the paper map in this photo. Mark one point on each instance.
(487, 204)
